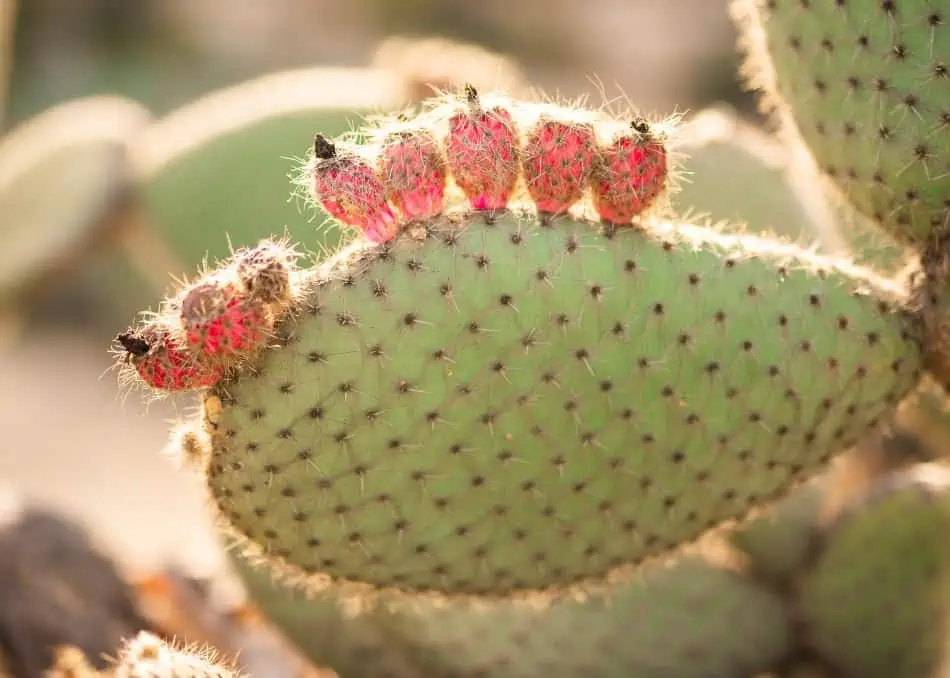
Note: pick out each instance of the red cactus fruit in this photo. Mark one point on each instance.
(222, 322)
(482, 152)
(348, 188)
(412, 168)
(265, 270)
(163, 363)
(557, 161)
(630, 175)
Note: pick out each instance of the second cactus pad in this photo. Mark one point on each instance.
(866, 83)
(522, 405)
(875, 602)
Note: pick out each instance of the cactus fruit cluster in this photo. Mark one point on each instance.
(224, 318)
(526, 378)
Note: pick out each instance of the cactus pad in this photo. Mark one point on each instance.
(704, 621)
(692, 619)
(219, 164)
(521, 405)
(865, 83)
(63, 176)
(355, 646)
(876, 601)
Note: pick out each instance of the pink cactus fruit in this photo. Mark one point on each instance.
(482, 152)
(222, 322)
(266, 272)
(163, 363)
(557, 162)
(630, 175)
(348, 188)
(412, 168)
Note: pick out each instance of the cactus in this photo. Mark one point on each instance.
(148, 656)
(144, 656)
(875, 601)
(690, 619)
(861, 83)
(779, 543)
(525, 378)
(701, 620)
(482, 151)
(733, 173)
(354, 645)
(418, 388)
(64, 175)
(442, 412)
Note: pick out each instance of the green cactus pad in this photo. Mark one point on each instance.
(355, 646)
(62, 174)
(702, 621)
(691, 619)
(216, 166)
(865, 84)
(876, 601)
(517, 407)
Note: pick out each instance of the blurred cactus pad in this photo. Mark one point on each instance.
(875, 602)
(703, 621)
(220, 165)
(64, 175)
(733, 173)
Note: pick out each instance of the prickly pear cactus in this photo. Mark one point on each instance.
(782, 543)
(778, 543)
(864, 84)
(597, 387)
(875, 603)
(539, 375)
